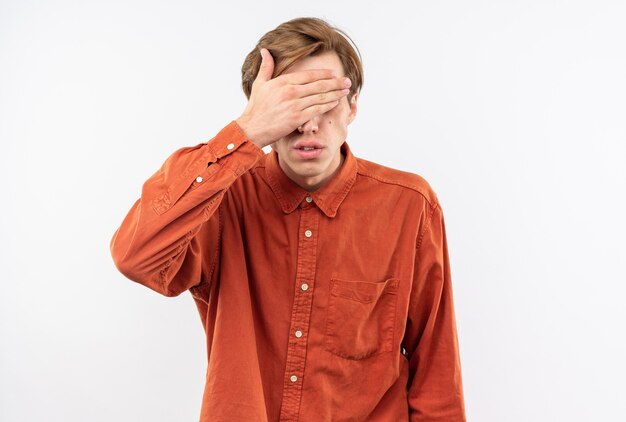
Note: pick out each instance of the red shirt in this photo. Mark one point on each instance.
(329, 305)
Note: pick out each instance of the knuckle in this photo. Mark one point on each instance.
(326, 85)
(290, 91)
(284, 95)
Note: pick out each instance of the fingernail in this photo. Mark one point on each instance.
(347, 82)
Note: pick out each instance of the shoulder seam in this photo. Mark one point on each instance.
(426, 227)
(398, 183)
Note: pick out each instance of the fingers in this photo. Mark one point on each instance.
(324, 85)
(266, 70)
(321, 91)
(307, 76)
(322, 98)
(317, 109)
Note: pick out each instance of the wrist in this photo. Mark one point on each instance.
(249, 131)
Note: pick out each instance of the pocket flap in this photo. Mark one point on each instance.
(363, 291)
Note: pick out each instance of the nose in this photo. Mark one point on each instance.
(310, 126)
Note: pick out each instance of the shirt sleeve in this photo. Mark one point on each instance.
(435, 391)
(158, 243)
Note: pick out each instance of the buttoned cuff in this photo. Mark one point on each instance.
(230, 139)
(221, 160)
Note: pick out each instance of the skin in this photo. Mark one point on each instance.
(308, 102)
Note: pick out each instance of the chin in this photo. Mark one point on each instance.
(308, 170)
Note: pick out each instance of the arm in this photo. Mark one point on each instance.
(435, 391)
(162, 242)
(156, 244)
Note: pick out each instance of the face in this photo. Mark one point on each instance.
(312, 169)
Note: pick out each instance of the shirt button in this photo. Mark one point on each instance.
(308, 199)
(298, 333)
(199, 179)
(293, 378)
(304, 287)
(230, 146)
(308, 233)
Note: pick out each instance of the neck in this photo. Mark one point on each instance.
(312, 184)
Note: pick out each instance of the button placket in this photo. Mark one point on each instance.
(301, 312)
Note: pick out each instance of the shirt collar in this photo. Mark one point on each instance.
(328, 197)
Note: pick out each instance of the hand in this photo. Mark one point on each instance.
(278, 106)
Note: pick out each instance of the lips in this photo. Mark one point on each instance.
(308, 144)
(308, 149)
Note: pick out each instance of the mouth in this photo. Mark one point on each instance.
(308, 150)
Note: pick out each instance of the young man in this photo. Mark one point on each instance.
(322, 280)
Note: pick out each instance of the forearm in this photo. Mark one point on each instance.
(435, 386)
(151, 244)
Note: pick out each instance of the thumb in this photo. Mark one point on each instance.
(267, 66)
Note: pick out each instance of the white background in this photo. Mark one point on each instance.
(514, 111)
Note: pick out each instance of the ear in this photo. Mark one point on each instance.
(353, 107)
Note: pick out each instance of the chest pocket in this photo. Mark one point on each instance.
(361, 318)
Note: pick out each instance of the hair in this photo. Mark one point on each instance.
(299, 38)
